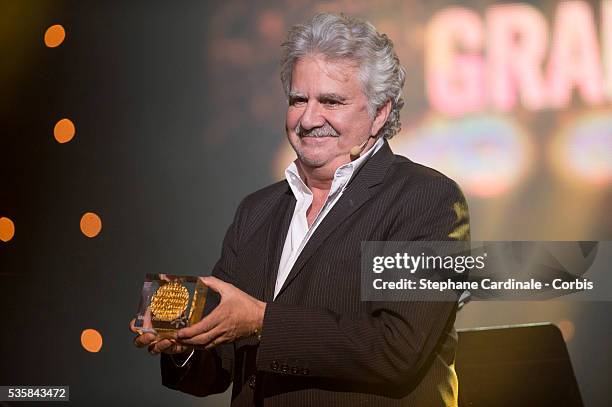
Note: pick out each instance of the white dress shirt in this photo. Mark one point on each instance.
(299, 233)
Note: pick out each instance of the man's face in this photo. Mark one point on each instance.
(327, 113)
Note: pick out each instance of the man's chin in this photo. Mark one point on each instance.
(314, 151)
(311, 161)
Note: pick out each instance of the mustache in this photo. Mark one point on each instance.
(324, 131)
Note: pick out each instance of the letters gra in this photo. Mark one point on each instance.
(514, 55)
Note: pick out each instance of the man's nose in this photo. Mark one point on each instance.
(312, 116)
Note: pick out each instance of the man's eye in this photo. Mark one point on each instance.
(332, 103)
(297, 101)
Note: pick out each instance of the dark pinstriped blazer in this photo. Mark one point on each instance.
(322, 345)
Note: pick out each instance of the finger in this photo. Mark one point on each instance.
(139, 330)
(215, 284)
(132, 327)
(178, 348)
(147, 319)
(217, 341)
(160, 346)
(144, 340)
(203, 339)
(165, 345)
(169, 346)
(206, 324)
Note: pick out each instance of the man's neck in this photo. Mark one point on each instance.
(320, 178)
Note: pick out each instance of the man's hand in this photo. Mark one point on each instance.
(238, 315)
(155, 344)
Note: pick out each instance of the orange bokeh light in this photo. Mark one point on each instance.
(91, 340)
(54, 36)
(64, 131)
(7, 229)
(91, 224)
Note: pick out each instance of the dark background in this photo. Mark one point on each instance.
(179, 113)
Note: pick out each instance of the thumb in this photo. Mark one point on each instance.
(214, 284)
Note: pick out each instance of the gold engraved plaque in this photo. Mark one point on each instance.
(169, 303)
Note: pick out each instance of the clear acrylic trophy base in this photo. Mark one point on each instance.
(169, 303)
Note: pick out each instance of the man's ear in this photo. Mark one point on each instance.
(381, 117)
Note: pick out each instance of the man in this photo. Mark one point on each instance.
(290, 328)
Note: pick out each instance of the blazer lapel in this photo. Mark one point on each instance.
(277, 233)
(355, 195)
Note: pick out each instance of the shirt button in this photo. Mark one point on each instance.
(252, 380)
(285, 368)
(305, 371)
(294, 370)
(274, 365)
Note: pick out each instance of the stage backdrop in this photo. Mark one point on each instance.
(131, 131)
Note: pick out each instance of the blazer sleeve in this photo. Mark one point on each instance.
(208, 372)
(391, 344)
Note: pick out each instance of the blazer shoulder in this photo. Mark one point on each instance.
(432, 201)
(265, 196)
(415, 175)
(258, 204)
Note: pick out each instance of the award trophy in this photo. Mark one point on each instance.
(169, 303)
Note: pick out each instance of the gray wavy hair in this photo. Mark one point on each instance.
(340, 37)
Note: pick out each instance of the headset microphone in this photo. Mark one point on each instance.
(358, 149)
